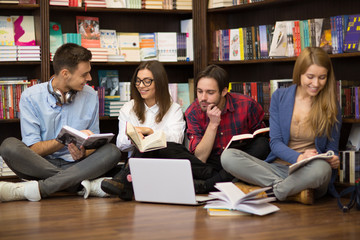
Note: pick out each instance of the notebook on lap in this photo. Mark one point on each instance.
(164, 181)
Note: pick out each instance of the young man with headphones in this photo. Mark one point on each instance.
(45, 108)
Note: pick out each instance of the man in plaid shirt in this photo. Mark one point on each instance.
(213, 118)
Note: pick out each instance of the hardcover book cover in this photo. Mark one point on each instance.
(6, 31)
(24, 30)
(109, 79)
(352, 36)
(129, 46)
(56, 39)
(89, 29)
(108, 40)
(279, 42)
(234, 53)
(147, 46)
(325, 40)
(166, 46)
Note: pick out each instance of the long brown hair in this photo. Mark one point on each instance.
(162, 95)
(322, 116)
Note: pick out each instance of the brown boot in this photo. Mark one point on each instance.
(305, 197)
(245, 188)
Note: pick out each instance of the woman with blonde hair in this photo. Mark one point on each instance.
(305, 120)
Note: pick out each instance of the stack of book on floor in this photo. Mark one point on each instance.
(231, 198)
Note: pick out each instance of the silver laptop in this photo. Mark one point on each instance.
(164, 181)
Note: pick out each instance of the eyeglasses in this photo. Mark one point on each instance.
(146, 81)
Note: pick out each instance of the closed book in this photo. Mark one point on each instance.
(129, 46)
(108, 40)
(89, 29)
(352, 36)
(6, 31)
(147, 46)
(24, 30)
(109, 79)
(56, 39)
(166, 46)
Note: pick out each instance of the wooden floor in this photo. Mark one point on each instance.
(71, 217)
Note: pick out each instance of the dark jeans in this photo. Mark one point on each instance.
(173, 150)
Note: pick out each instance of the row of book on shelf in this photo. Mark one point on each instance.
(113, 93)
(229, 3)
(10, 93)
(17, 39)
(337, 34)
(110, 45)
(17, 1)
(348, 94)
(132, 4)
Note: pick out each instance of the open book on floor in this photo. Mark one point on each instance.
(232, 198)
(154, 141)
(71, 135)
(292, 168)
(241, 140)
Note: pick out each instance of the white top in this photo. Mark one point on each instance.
(173, 123)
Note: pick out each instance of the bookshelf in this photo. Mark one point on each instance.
(268, 12)
(122, 20)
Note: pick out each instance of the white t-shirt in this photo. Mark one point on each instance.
(173, 123)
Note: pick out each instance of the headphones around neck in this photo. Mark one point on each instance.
(67, 98)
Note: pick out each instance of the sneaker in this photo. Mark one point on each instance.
(245, 188)
(305, 197)
(200, 186)
(122, 189)
(19, 191)
(93, 188)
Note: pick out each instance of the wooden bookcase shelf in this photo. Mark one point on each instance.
(268, 12)
(122, 20)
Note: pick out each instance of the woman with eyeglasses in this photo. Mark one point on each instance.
(151, 109)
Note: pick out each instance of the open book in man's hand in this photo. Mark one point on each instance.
(241, 140)
(154, 141)
(292, 168)
(232, 198)
(71, 135)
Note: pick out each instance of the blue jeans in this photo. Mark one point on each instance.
(315, 175)
(57, 175)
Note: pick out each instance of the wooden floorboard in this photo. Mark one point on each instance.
(71, 217)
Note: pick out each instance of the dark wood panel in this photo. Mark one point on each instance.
(135, 22)
(9, 129)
